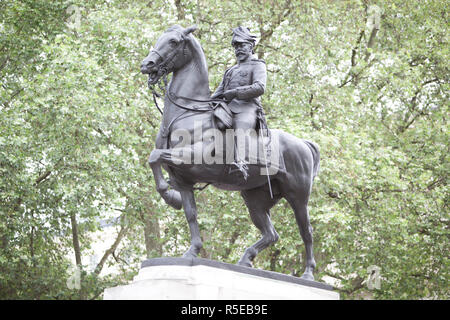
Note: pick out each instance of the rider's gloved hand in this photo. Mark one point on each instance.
(230, 94)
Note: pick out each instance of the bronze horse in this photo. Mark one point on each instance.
(188, 109)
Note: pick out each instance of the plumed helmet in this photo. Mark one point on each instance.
(242, 34)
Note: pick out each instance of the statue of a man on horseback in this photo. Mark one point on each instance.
(188, 115)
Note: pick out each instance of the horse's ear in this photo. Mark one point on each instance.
(190, 29)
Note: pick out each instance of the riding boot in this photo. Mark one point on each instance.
(243, 121)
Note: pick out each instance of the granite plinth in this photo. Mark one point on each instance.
(203, 279)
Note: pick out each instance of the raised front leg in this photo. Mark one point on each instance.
(190, 210)
(171, 197)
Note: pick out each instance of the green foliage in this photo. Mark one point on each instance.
(78, 123)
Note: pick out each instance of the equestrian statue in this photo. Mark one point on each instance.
(223, 140)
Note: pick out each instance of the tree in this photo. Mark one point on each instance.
(366, 80)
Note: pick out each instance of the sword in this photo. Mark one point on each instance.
(262, 121)
(267, 172)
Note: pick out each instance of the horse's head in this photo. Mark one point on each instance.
(169, 54)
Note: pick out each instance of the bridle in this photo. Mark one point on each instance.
(163, 68)
(167, 63)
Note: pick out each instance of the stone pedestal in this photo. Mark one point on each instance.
(202, 279)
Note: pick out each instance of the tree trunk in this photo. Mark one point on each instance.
(180, 10)
(151, 234)
(111, 250)
(75, 240)
(76, 247)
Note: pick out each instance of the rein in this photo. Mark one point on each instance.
(163, 71)
(171, 96)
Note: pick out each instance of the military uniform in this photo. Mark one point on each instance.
(241, 88)
(249, 80)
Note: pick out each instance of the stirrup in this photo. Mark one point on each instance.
(242, 166)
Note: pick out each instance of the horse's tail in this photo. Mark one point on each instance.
(316, 156)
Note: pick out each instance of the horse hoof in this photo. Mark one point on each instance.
(307, 276)
(247, 264)
(189, 255)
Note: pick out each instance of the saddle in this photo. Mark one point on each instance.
(222, 115)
